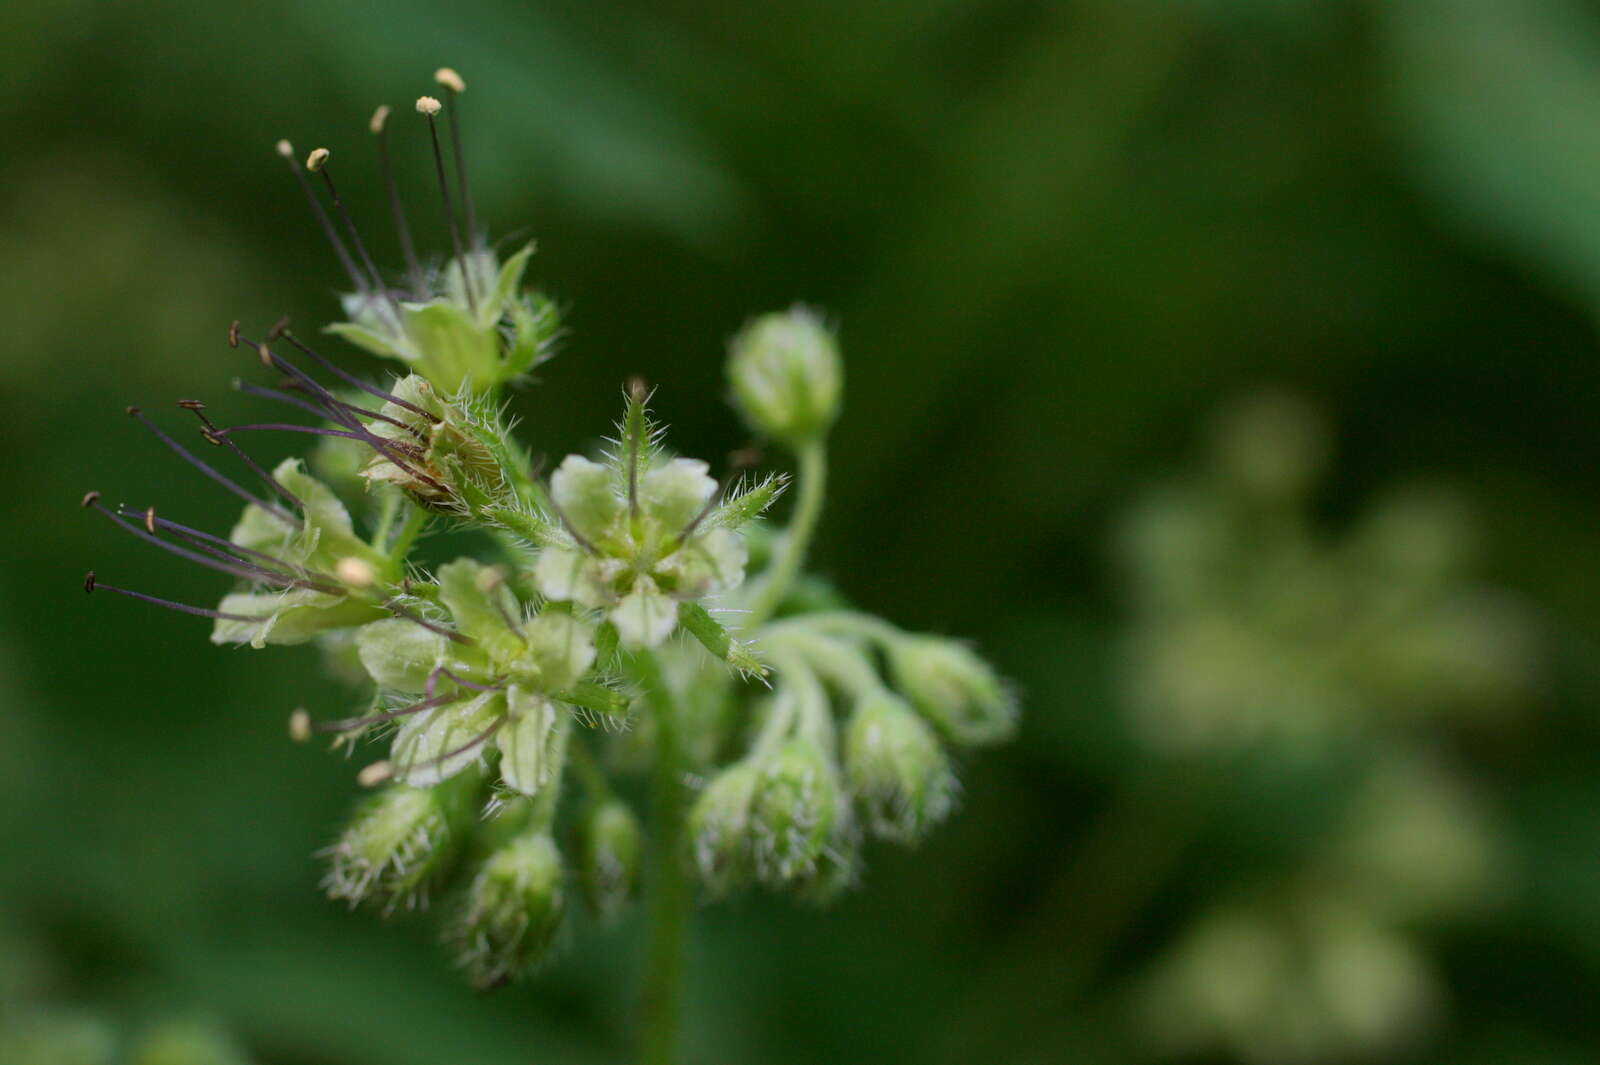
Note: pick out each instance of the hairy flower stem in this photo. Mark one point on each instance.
(669, 885)
(813, 478)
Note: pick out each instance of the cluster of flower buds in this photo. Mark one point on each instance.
(1254, 628)
(490, 681)
(791, 811)
(1257, 636)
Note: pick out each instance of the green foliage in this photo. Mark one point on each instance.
(1055, 237)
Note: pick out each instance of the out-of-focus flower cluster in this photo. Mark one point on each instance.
(1351, 659)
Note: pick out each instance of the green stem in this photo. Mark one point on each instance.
(813, 476)
(669, 903)
(588, 769)
(415, 520)
(838, 622)
(390, 507)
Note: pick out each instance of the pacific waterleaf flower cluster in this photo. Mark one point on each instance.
(628, 612)
(1262, 647)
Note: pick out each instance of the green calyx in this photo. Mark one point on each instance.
(453, 340)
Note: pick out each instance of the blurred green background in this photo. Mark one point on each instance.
(1308, 766)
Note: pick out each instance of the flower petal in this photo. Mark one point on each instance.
(560, 647)
(400, 654)
(645, 616)
(437, 744)
(530, 744)
(707, 564)
(674, 492)
(566, 574)
(585, 491)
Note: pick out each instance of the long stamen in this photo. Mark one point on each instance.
(428, 107)
(317, 163)
(349, 724)
(242, 570)
(251, 389)
(320, 412)
(285, 427)
(230, 551)
(286, 150)
(452, 82)
(378, 125)
(383, 447)
(91, 584)
(270, 507)
(477, 741)
(354, 381)
(705, 512)
(464, 683)
(209, 431)
(431, 626)
(572, 530)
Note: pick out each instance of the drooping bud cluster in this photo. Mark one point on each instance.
(790, 813)
(616, 596)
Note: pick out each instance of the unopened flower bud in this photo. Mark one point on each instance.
(398, 845)
(508, 921)
(719, 827)
(896, 769)
(608, 855)
(786, 375)
(797, 809)
(954, 688)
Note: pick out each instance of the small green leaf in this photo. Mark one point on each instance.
(505, 287)
(366, 340)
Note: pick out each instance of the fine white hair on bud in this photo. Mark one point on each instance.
(508, 921)
(356, 572)
(428, 105)
(957, 691)
(379, 118)
(786, 375)
(797, 814)
(447, 77)
(316, 159)
(400, 843)
(300, 725)
(895, 767)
